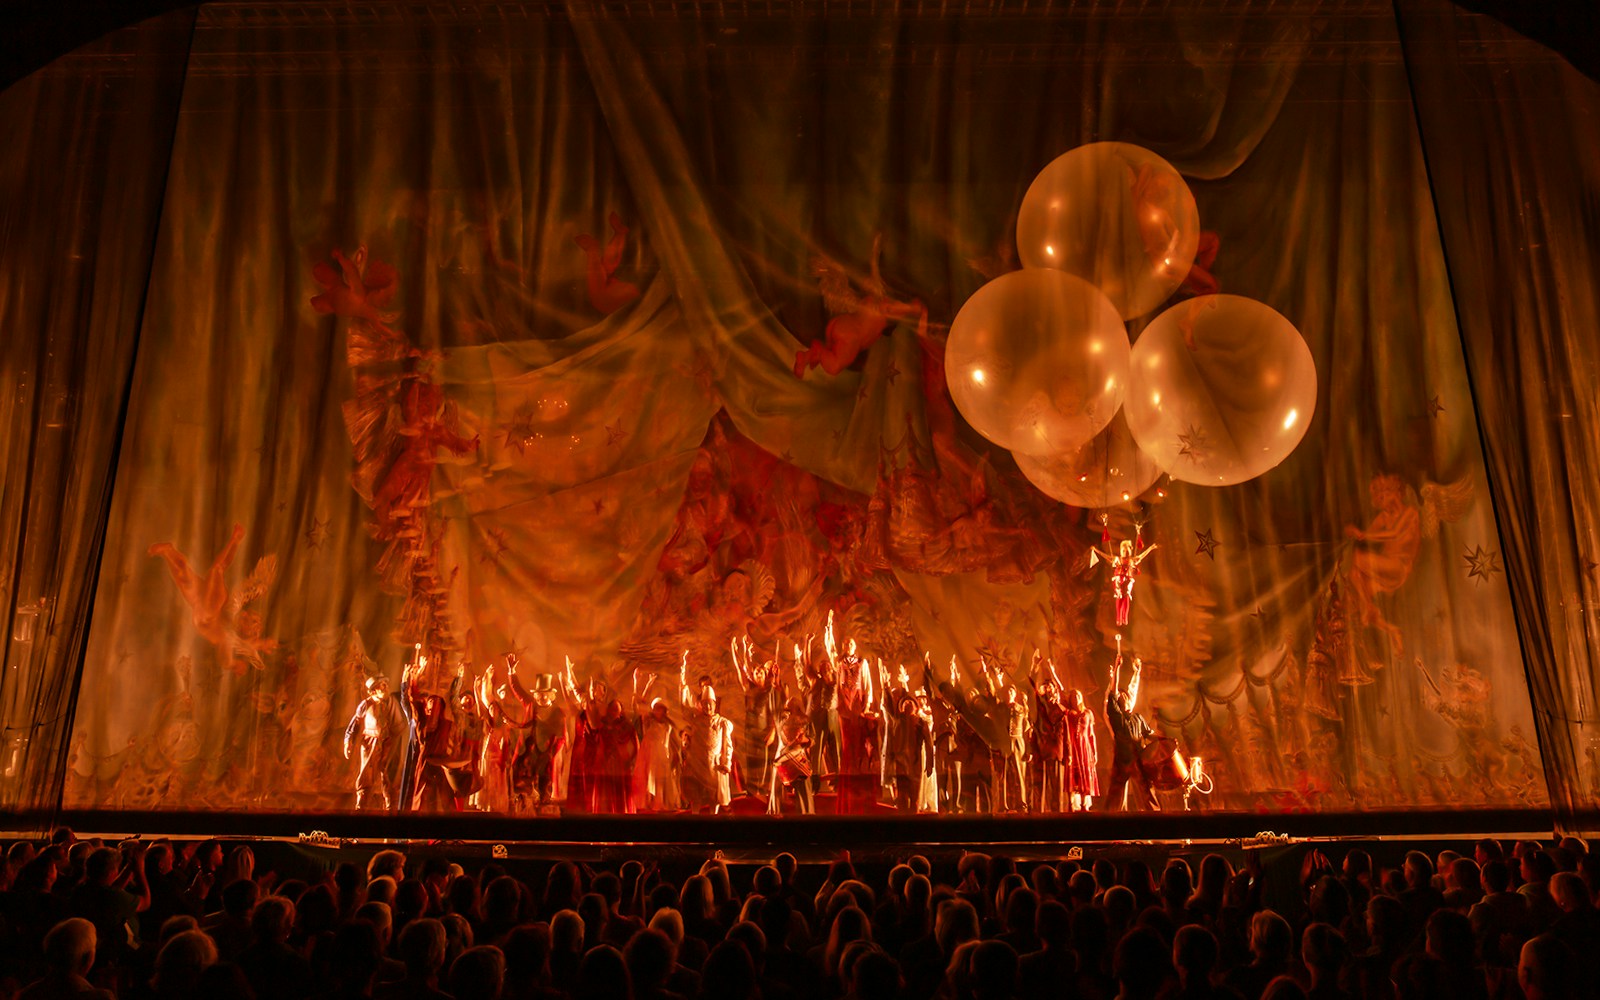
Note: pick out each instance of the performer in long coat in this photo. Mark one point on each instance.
(708, 758)
(654, 776)
(908, 744)
(436, 738)
(1050, 749)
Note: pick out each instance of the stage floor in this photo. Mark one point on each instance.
(602, 836)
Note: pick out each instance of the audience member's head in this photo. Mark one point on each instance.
(729, 973)
(272, 920)
(527, 951)
(1547, 969)
(1194, 955)
(69, 947)
(223, 980)
(387, 863)
(603, 975)
(994, 971)
(479, 973)
(1271, 939)
(422, 947)
(955, 924)
(1142, 964)
(180, 962)
(1418, 870)
(1322, 950)
(649, 957)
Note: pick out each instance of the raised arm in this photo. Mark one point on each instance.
(520, 692)
(1143, 554)
(569, 686)
(741, 664)
(1133, 685)
(683, 680)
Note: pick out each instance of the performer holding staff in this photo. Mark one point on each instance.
(1130, 732)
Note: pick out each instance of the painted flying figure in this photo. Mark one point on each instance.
(859, 319)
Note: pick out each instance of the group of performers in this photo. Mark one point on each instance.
(828, 721)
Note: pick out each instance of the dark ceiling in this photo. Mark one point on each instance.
(34, 32)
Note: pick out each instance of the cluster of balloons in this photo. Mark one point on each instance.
(1217, 390)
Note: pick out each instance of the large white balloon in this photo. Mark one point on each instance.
(1223, 388)
(1108, 471)
(1117, 215)
(1037, 361)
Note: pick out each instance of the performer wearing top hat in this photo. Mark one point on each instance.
(377, 722)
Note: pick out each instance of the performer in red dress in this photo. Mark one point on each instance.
(1083, 757)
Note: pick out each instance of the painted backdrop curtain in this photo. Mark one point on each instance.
(479, 330)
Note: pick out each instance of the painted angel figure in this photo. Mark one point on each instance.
(859, 319)
(607, 292)
(1387, 552)
(357, 290)
(225, 621)
(1124, 567)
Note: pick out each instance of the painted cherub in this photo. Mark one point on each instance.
(225, 620)
(859, 319)
(1382, 563)
(607, 292)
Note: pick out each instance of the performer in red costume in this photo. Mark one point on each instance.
(1124, 567)
(857, 780)
(1083, 756)
(502, 734)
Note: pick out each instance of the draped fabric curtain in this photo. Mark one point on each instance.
(1512, 134)
(83, 174)
(477, 329)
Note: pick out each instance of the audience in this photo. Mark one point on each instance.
(1511, 925)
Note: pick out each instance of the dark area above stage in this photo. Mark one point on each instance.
(34, 32)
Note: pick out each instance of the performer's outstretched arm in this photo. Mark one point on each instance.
(741, 666)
